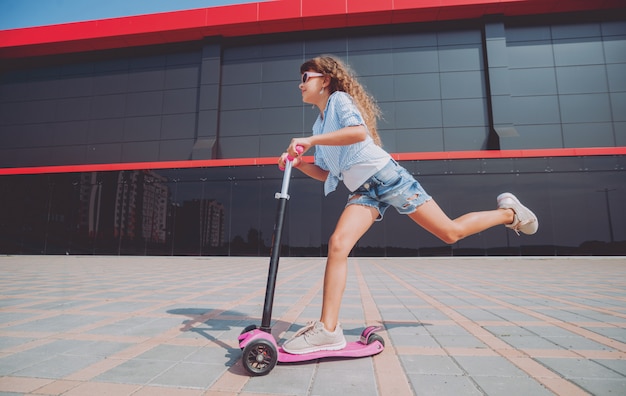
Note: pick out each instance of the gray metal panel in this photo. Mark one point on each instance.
(178, 126)
(616, 75)
(418, 114)
(108, 106)
(142, 128)
(380, 87)
(581, 79)
(240, 122)
(182, 76)
(241, 71)
(586, 51)
(457, 85)
(588, 135)
(106, 130)
(613, 28)
(183, 58)
(464, 112)
(175, 150)
(455, 37)
(528, 33)
(585, 108)
(105, 153)
(281, 120)
(530, 110)
(146, 80)
(73, 109)
(111, 83)
(420, 140)
(423, 86)
(68, 133)
(335, 46)
(533, 81)
(280, 94)
(414, 40)
(534, 136)
(368, 43)
(239, 97)
(144, 103)
(415, 60)
(372, 63)
(273, 145)
(209, 97)
(240, 146)
(282, 69)
(620, 133)
(618, 106)
(615, 49)
(140, 151)
(530, 54)
(460, 58)
(207, 123)
(180, 101)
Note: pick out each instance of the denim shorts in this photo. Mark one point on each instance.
(391, 186)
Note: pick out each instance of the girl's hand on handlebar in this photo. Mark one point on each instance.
(282, 161)
(298, 146)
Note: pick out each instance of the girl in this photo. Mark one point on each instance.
(348, 149)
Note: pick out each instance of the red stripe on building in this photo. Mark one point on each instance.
(428, 156)
(265, 17)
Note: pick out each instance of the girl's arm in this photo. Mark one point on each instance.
(341, 137)
(310, 170)
(313, 171)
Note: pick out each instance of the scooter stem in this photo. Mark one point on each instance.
(282, 197)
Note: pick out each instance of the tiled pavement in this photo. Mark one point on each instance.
(453, 326)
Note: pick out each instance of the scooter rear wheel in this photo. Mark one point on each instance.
(259, 357)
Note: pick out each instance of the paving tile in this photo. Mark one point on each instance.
(443, 385)
(189, 375)
(440, 365)
(347, 381)
(579, 368)
(488, 366)
(169, 325)
(57, 367)
(283, 380)
(135, 371)
(602, 386)
(511, 386)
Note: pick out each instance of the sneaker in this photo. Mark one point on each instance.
(525, 220)
(313, 338)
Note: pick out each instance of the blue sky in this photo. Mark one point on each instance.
(26, 13)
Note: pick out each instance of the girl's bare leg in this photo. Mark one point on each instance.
(353, 223)
(357, 219)
(433, 219)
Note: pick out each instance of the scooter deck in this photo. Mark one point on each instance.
(351, 350)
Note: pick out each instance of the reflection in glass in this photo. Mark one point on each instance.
(231, 210)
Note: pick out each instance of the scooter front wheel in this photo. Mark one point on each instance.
(375, 337)
(259, 357)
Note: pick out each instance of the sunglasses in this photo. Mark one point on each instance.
(307, 75)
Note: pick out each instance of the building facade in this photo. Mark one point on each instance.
(159, 133)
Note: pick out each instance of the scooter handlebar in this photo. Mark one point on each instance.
(299, 149)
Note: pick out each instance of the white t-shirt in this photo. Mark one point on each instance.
(358, 174)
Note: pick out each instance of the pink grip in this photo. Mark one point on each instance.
(299, 149)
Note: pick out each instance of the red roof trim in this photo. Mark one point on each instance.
(427, 156)
(265, 17)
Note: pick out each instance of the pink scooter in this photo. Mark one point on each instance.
(260, 350)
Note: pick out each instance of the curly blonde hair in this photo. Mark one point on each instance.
(343, 79)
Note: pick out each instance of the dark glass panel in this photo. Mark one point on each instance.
(232, 210)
